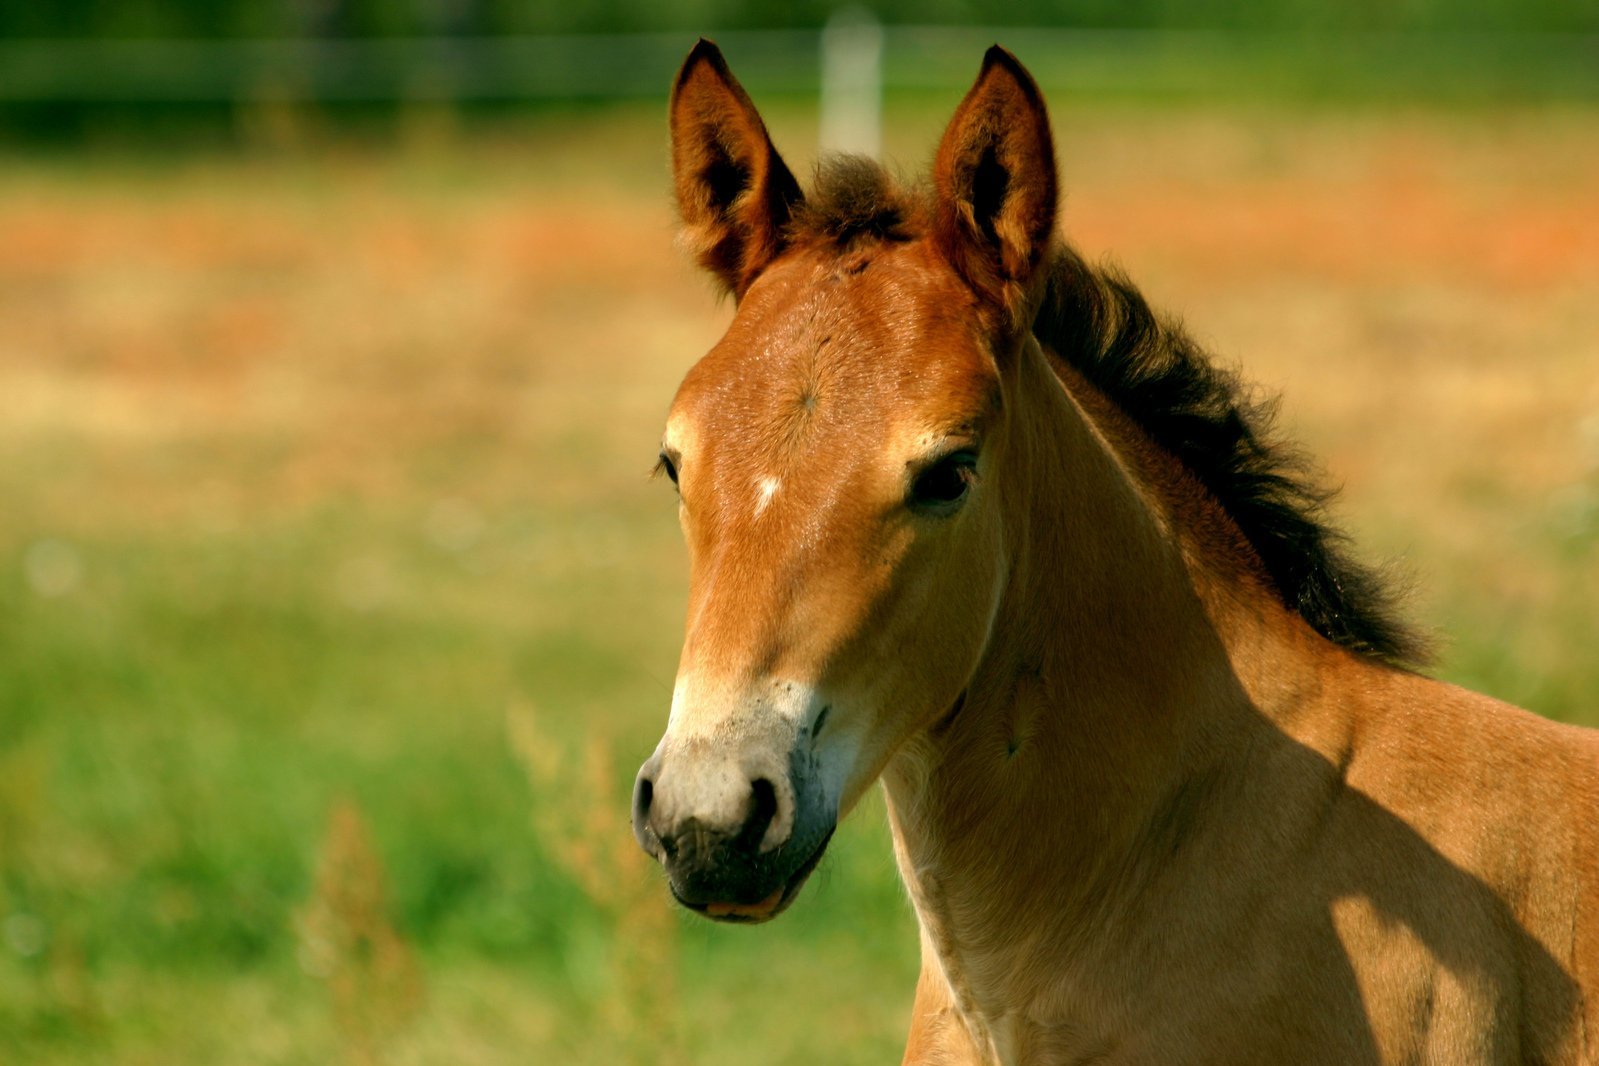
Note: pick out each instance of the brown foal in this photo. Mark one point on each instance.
(964, 516)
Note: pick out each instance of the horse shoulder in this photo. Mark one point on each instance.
(1465, 865)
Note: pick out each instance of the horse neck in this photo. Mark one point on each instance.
(1118, 663)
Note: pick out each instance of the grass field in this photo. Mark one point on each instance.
(336, 610)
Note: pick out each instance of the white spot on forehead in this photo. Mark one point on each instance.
(765, 489)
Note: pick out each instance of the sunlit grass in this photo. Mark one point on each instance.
(324, 477)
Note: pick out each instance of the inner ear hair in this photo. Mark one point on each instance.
(995, 182)
(734, 192)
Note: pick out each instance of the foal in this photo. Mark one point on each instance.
(963, 515)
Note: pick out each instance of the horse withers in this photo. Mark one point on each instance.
(965, 516)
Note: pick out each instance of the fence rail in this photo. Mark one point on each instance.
(913, 57)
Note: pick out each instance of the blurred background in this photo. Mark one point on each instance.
(336, 607)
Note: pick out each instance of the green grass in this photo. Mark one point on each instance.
(178, 725)
(323, 483)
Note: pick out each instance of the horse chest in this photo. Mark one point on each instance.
(992, 985)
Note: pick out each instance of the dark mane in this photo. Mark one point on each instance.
(1200, 413)
(1205, 416)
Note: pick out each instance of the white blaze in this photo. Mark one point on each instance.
(765, 489)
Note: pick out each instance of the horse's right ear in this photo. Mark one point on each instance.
(994, 184)
(734, 192)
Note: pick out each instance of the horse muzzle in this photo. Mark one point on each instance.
(737, 834)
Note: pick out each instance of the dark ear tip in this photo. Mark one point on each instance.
(705, 48)
(704, 51)
(997, 53)
(997, 56)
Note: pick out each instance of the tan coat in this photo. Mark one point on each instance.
(1161, 790)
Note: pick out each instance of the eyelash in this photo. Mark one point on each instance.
(664, 465)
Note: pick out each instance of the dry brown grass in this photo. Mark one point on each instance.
(331, 322)
(636, 1022)
(218, 342)
(464, 358)
(348, 940)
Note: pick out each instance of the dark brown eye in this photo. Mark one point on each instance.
(665, 465)
(941, 487)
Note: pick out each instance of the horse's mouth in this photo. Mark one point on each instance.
(764, 910)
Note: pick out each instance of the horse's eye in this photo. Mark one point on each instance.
(943, 485)
(667, 467)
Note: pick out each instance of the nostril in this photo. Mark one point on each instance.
(763, 808)
(644, 829)
(643, 796)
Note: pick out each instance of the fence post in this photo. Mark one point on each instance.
(852, 83)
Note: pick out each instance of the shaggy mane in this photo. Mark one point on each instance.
(1200, 413)
(1206, 417)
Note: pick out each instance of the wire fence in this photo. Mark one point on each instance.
(572, 67)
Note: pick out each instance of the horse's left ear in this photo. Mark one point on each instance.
(734, 192)
(994, 178)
